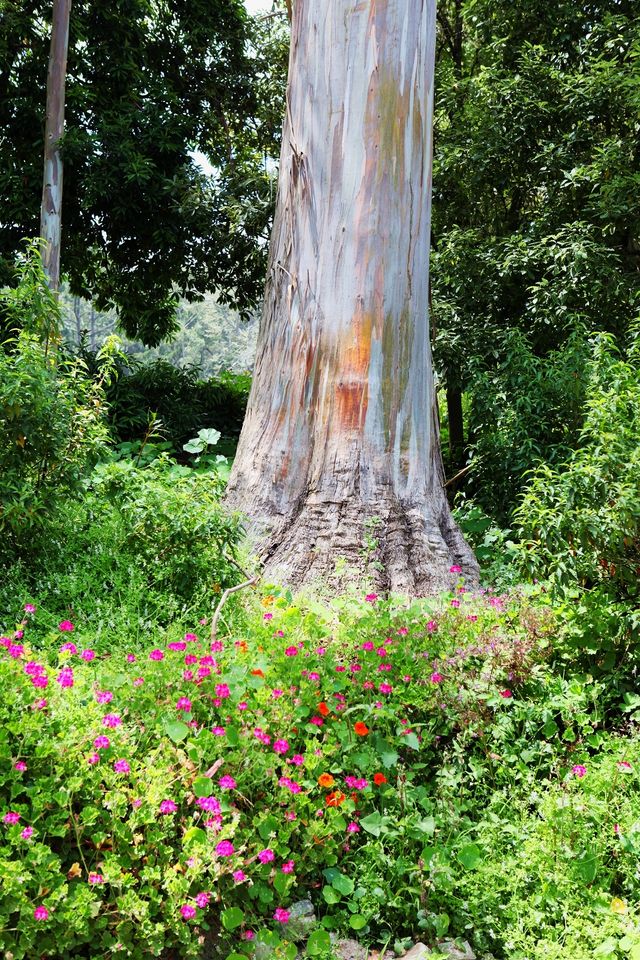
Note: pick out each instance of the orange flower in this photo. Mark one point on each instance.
(323, 709)
(361, 729)
(335, 799)
(326, 780)
(379, 779)
(267, 601)
(243, 646)
(257, 673)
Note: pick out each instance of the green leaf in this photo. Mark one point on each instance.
(412, 741)
(372, 824)
(233, 736)
(282, 883)
(330, 895)
(194, 835)
(176, 730)
(470, 856)
(344, 884)
(357, 921)
(318, 942)
(426, 826)
(232, 918)
(203, 787)
(607, 947)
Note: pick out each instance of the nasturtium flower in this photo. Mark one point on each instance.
(335, 799)
(326, 780)
(361, 729)
(323, 709)
(379, 779)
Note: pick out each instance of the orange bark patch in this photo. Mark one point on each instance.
(352, 386)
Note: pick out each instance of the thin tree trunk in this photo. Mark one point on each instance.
(456, 426)
(341, 425)
(51, 209)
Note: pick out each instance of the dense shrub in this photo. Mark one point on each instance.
(142, 546)
(52, 423)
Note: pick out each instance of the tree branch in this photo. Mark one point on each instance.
(223, 599)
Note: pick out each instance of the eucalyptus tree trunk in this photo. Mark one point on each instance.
(341, 429)
(51, 209)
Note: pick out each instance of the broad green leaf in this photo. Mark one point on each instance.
(330, 895)
(372, 824)
(357, 921)
(231, 918)
(344, 884)
(470, 856)
(318, 942)
(203, 787)
(176, 730)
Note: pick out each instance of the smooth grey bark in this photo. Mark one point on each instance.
(51, 208)
(341, 427)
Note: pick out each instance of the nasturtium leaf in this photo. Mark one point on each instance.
(372, 824)
(203, 787)
(607, 948)
(233, 736)
(330, 895)
(281, 882)
(357, 921)
(318, 942)
(231, 918)
(194, 835)
(344, 884)
(176, 730)
(427, 825)
(470, 856)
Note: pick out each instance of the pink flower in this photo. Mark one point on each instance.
(267, 616)
(276, 694)
(93, 758)
(436, 678)
(218, 731)
(88, 655)
(432, 626)
(156, 655)
(243, 705)
(121, 766)
(27, 833)
(297, 760)
(625, 767)
(291, 652)
(168, 806)
(131, 658)
(33, 669)
(385, 688)
(66, 626)
(210, 804)
(11, 818)
(578, 770)
(111, 720)
(227, 783)
(266, 856)
(282, 916)
(190, 637)
(225, 849)
(371, 598)
(455, 603)
(29, 608)
(291, 815)
(138, 681)
(41, 913)
(20, 766)
(102, 742)
(455, 569)
(68, 648)
(184, 704)
(317, 721)
(16, 650)
(177, 645)
(353, 827)
(65, 677)
(187, 911)
(281, 746)
(222, 691)
(104, 696)
(248, 935)
(506, 694)
(367, 645)
(238, 875)
(202, 899)
(94, 878)
(41, 681)
(288, 866)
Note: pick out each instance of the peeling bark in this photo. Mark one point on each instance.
(51, 209)
(341, 425)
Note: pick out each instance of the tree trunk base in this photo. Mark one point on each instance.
(395, 547)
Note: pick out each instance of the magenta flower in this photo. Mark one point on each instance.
(188, 911)
(177, 645)
(578, 770)
(202, 899)
(432, 626)
(288, 866)
(222, 691)
(455, 603)
(218, 731)
(65, 677)
(282, 916)
(68, 648)
(156, 655)
(131, 658)
(29, 608)
(41, 913)
(227, 783)
(371, 598)
(225, 849)
(66, 626)
(20, 766)
(111, 720)
(367, 645)
(88, 655)
(266, 856)
(276, 694)
(281, 746)
(184, 704)
(104, 696)
(385, 688)
(506, 694)
(138, 682)
(238, 875)
(121, 766)
(94, 878)
(267, 616)
(297, 759)
(41, 681)
(27, 833)
(210, 804)
(102, 742)
(353, 827)
(93, 758)
(436, 678)
(455, 569)
(168, 806)
(624, 766)
(291, 652)
(11, 818)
